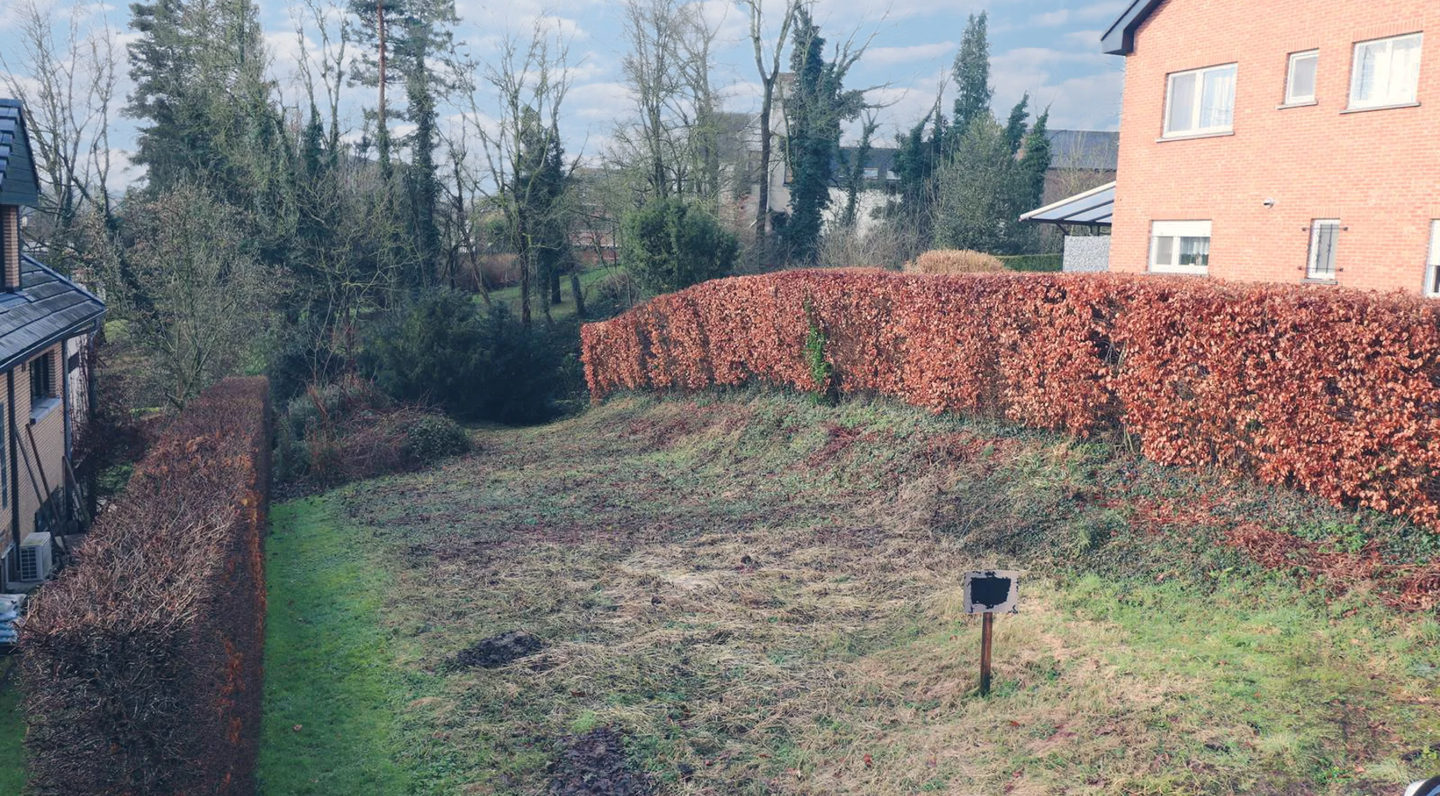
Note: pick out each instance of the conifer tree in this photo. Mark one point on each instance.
(972, 76)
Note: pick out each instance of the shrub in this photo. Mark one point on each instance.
(432, 437)
(1334, 392)
(612, 295)
(438, 349)
(669, 245)
(142, 660)
(1033, 262)
(955, 261)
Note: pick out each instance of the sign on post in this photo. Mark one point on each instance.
(987, 593)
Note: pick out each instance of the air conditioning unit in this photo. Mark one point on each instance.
(35, 558)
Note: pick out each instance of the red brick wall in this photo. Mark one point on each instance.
(1377, 171)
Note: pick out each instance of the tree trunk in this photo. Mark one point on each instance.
(579, 296)
(762, 198)
(555, 297)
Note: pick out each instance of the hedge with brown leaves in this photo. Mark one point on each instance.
(142, 660)
(1332, 391)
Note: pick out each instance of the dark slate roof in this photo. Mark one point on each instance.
(880, 157)
(46, 309)
(19, 181)
(1092, 150)
(1094, 208)
(1120, 38)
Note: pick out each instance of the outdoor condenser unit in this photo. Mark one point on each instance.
(35, 557)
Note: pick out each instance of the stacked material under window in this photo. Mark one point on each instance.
(11, 606)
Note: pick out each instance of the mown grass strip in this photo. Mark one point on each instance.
(330, 701)
(12, 731)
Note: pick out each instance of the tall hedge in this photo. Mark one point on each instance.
(142, 661)
(1332, 391)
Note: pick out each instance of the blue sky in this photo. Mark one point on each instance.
(1049, 48)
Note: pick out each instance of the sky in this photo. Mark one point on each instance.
(1049, 48)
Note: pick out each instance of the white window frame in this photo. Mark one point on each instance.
(1175, 230)
(1291, 98)
(1432, 263)
(1387, 101)
(1199, 74)
(1313, 259)
(871, 173)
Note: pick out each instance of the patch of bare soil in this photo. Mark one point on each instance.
(595, 764)
(497, 651)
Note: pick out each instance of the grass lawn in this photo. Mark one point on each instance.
(558, 312)
(12, 730)
(761, 595)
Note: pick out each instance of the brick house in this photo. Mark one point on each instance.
(1280, 141)
(46, 322)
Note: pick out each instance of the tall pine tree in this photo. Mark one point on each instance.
(972, 76)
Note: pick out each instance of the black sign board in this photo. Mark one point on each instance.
(992, 592)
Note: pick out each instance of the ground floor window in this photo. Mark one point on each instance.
(1324, 235)
(1180, 247)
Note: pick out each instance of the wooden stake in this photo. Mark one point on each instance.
(987, 627)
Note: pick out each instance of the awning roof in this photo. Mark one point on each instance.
(1093, 208)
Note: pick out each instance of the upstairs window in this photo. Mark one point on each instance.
(42, 377)
(1300, 82)
(1386, 72)
(1201, 102)
(872, 172)
(1432, 264)
(1180, 247)
(1324, 234)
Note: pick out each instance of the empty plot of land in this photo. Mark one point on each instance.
(758, 595)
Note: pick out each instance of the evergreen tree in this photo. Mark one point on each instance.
(854, 166)
(972, 76)
(1035, 163)
(982, 194)
(1015, 125)
(816, 108)
(200, 93)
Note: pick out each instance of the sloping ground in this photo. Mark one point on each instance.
(748, 595)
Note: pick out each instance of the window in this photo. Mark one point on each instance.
(1300, 82)
(1200, 102)
(1180, 247)
(1386, 72)
(872, 172)
(42, 377)
(1324, 234)
(1432, 263)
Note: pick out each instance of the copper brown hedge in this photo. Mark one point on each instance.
(142, 661)
(1328, 390)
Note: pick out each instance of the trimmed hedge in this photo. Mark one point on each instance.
(142, 661)
(1051, 263)
(1333, 391)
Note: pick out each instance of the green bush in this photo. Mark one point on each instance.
(438, 349)
(434, 437)
(1033, 262)
(669, 246)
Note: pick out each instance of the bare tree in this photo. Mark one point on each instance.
(767, 63)
(66, 74)
(530, 78)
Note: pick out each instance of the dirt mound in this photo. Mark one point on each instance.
(595, 764)
(496, 651)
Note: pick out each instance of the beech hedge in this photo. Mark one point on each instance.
(142, 661)
(1332, 391)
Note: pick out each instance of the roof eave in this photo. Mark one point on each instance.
(1120, 38)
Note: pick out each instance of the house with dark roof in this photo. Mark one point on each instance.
(46, 325)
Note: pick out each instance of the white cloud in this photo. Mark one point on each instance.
(1052, 19)
(888, 56)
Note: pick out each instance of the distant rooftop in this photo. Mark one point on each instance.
(1093, 150)
(19, 182)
